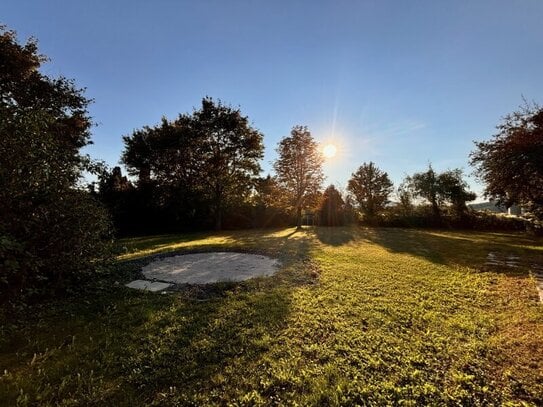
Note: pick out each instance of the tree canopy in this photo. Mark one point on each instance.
(426, 185)
(299, 169)
(371, 188)
(439, 188)
(454, 189)
(332, 207)
(213, 155)
(511, 163)
(49, 227)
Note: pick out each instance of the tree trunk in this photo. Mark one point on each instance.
(435, 210)
(218, 219)
(218, 210)
(299, 217)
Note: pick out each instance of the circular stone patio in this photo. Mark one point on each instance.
(214, 267)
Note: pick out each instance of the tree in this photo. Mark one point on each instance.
(212, 155)
(426, 185)
(455, 191)
(270, 208)
(299, 169)
(438, 189)
(229, 154)
(49, 227)
(405, 198)
(371, 188)
(332, 206)
(511, 163)
(117, 194)
(169, 194)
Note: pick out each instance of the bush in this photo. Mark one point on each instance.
(51, 230)
(422, 217)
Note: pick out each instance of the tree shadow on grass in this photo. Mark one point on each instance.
(187, 351)
(335, 235)
(410, 241)
(459, 247)
(192, 346)
(136, 348)
(253, 240)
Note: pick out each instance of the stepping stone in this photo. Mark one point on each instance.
(146, 285)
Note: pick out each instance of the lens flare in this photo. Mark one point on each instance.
(329, 150)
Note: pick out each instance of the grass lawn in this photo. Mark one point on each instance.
(354, 317)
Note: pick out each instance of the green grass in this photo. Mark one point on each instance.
(354, 317)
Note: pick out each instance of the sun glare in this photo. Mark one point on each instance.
(329, 150)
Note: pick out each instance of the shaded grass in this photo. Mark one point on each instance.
(396, 316)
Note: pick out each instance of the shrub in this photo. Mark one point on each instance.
(50, 228)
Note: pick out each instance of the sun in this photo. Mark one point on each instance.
(329, 150)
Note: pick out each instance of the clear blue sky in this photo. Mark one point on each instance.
(400, 83)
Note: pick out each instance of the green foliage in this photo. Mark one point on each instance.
(422, 217)
(332, 208)
(511, 164)
(49, 229)
(299, 170)
(405, 198)
(454, 190)
(269, 204)
(210, 159)
(438, 189)
(394, 317)
(229, 155)
(371, 188)
(426, 185)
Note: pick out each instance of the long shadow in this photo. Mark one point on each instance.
(460, 248)
(226, 335)
(192, 346)
(141, 345)
(411, 241)
(230, 330)
(286, 244)
(335, 235)
(189, 345)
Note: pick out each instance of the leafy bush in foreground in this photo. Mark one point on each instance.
(49, 229)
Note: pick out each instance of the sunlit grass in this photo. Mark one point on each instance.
(395, 316)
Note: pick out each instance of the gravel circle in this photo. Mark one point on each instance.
(210, 267)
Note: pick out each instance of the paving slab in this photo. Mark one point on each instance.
(146, 285)
(205, 268)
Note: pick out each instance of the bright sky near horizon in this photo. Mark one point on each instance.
(398, 83)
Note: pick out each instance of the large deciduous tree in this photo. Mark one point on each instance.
(332, 207)
(299, 169)
(212, 155)
(454, 190)
(228, 156)
(511, 163)
(440, 188)
(371, 188)
(426, 185)
(169, 194)
(49, 227)
(270, 208)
